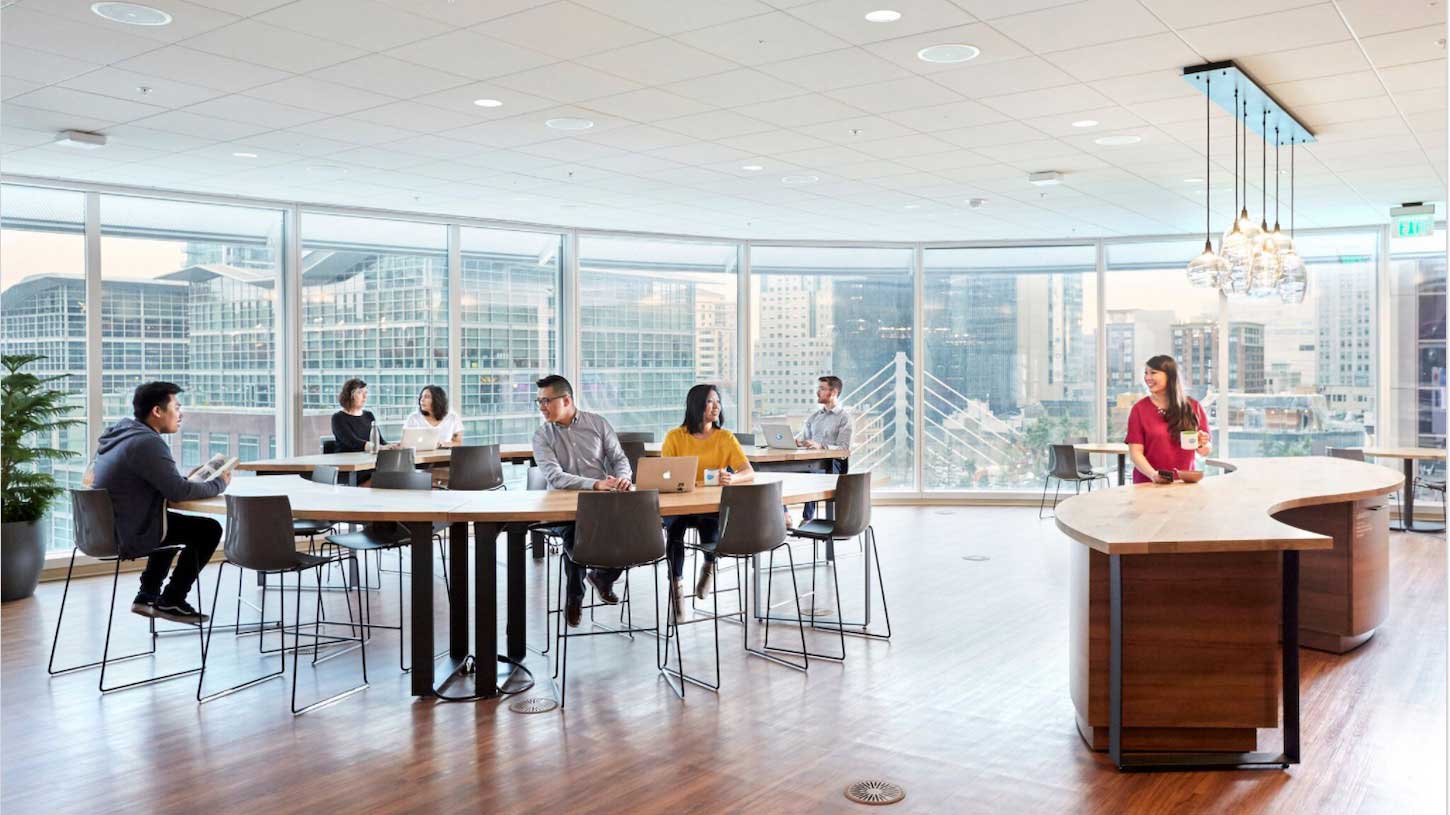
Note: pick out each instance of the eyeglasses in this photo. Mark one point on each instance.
(545, 400)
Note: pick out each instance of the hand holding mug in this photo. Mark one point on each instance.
(725, 476)
(1204, 440)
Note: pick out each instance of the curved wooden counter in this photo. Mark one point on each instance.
(1204, 570)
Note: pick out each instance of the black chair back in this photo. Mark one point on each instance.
(259, 532)
(1084, 459)
(401, 480)
(1063, 462)
(634, 451)
(394, 460)
(94, 518)
(324, 475)
(1351, 453)
(475, 467)
(617, 530)
(853, 505)
(745, 439)
(751, 520)
(536, 479)
(329, 444)
(644, 437)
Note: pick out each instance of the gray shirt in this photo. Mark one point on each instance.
(831, 428)
(577, 456)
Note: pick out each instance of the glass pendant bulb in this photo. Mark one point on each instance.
(1264, 273)
(1206, 269)
(1282, 242)
(1250, 230)
(1235, 250)
(1293, 277)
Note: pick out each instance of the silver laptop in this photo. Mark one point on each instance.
(421, 439)
(779, 434)
(668, 474)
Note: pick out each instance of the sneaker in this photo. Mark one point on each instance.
(707, 577)
(789, 521)
(605, 591)
(574, 611)
(179, 611)
(677, 599)
(145, 604)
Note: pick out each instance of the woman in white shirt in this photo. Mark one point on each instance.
(433, 413)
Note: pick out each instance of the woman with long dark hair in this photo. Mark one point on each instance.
(433, 413)
(352, 425)
(701, 434)
(1166, 428)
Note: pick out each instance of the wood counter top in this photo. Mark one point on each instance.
(357, 462)
(1226, 513)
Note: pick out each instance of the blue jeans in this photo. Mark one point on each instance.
(709, 529)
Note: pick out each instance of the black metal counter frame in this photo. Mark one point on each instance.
(1170, 761)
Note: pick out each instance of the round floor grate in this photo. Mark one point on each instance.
(875, 793)
(533, 704)
(975, 558)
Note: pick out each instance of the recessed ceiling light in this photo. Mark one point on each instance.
(754, 168)
(800, 179)
(1192, 181)
(976, 203)
(245, 155)
(912, 206)
(487, 103)
(131, 14)
(1046, 178)
(1117, 141)
(569, 124)
(948, 53)
(883, 16)
(1085, 123)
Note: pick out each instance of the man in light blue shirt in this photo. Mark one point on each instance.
(578, 451)
(828, 428)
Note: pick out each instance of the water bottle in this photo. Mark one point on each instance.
(373, 438)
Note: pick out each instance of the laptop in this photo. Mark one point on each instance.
(778, 434)
(672, 474)
(421, 439)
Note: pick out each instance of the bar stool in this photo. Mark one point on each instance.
(94, 518)
(853, 519)
(259, 537)
(399, 459)
(634, 451)
(751, 524)
(615, 530)
(745, 439)
(1062, 464)
(645, 437)
(535, 482)
(471, 467)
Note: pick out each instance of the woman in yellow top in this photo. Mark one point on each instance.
(702, 436)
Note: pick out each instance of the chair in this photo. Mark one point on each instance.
(397, 460)
(852, 520)
(473, 467)
(745, 439)
(751, 524)
(382, 537)
(634, 451)
(94, 519)
(1349, 453)
(259, 537)
(535, 482)
(1085, 460)
(312, 528)
(615, 530)
(646, 437)
(329, 444)
(1062, 464)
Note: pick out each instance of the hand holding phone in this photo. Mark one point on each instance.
(1164, 477)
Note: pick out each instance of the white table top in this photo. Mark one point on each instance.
(1425, 453)
(353, 462)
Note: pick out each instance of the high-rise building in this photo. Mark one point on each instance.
(1344, 364)
(795, 342)
(1195, 350)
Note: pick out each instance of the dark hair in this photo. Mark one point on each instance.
(556, 383)
(695, 408)
(440, 401)
(1179, 414)
(833, 381)
(152, 395)
(349, 388)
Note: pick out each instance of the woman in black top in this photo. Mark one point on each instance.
(352, 425)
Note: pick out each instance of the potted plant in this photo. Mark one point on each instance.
(30, 415)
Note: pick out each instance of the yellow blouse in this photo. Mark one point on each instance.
(717, 452)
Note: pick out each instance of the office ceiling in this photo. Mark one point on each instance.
(372, 104)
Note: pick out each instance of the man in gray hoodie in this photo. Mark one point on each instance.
(134, 464)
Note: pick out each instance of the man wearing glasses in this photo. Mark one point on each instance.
(578, 451)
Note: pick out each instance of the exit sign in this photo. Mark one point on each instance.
(1413, 220)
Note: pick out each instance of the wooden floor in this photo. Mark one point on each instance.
(967, 708)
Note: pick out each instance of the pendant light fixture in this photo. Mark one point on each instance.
(1233, 248)
(1208, 268)
(1282, 243)
(1246, 224)
(1294, 280)
(1264, 271)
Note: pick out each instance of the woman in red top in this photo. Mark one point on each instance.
(1157, 420)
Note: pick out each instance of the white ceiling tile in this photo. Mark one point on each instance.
(1363, 129)
(570, 150)
(471, 54)
(352, 131)
(1108, 118)
(1428, 119)
(386, 158)
(1029, 151)
(16, 137)
(14, 115)
(27, 28)
(1149, 87)
(438, 147)
(715, 125)
(1415, 76)
(1001, 133)
(274, 47)
(1167, 111)
(852, 131)
(459, 14)
(677, 16)
(903, 146)
(824, 157)
(10, 87)
(127, 85)
(415, 117)
(800, 110)
(461, 98)
(772, 142)
(131, 135)
(208, 70)
(80, 103)
(998, 78)
(946, 117)
(187, 19)
(1355, 85)
(1371, 17)
(1402, 47)
(1074, 26)
(302, 144)
(1131, 56)
(40, 66)
(315, 94)
(247, 109)
(1276, 32)
(632, 163)
(565, 30)
(246, 8)
(758, 40)
(1189, 13)
(648, 105)
(1303, 63)
(381, 74)
(222, 157)
(656, 62)
(742, 86)
(1349, 110)
(834, 69)
(701, 153)
(361, 23)
(847, 18)
(992, 9)
(567, 82)
(1048, 101)
(202, 127)
(896, 94)
(995, 47)
(642, 137)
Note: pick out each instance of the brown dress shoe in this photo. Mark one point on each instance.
(573, 612)
(604, 590)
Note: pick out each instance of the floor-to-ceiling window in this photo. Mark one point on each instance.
(1417, 348)
(374, 306)
(846, 312)
(509, 306)
(43, 301)
(656, 317)
(1010, 346)
(1302, 377)
(189, 295)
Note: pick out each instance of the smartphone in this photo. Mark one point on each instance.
(1168, 474)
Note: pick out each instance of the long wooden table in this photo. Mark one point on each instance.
(1178, 595)
(1110, 448)
(490, 513)
(1412, 457)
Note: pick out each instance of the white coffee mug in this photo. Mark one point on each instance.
(1188, 439)
(712, 477)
